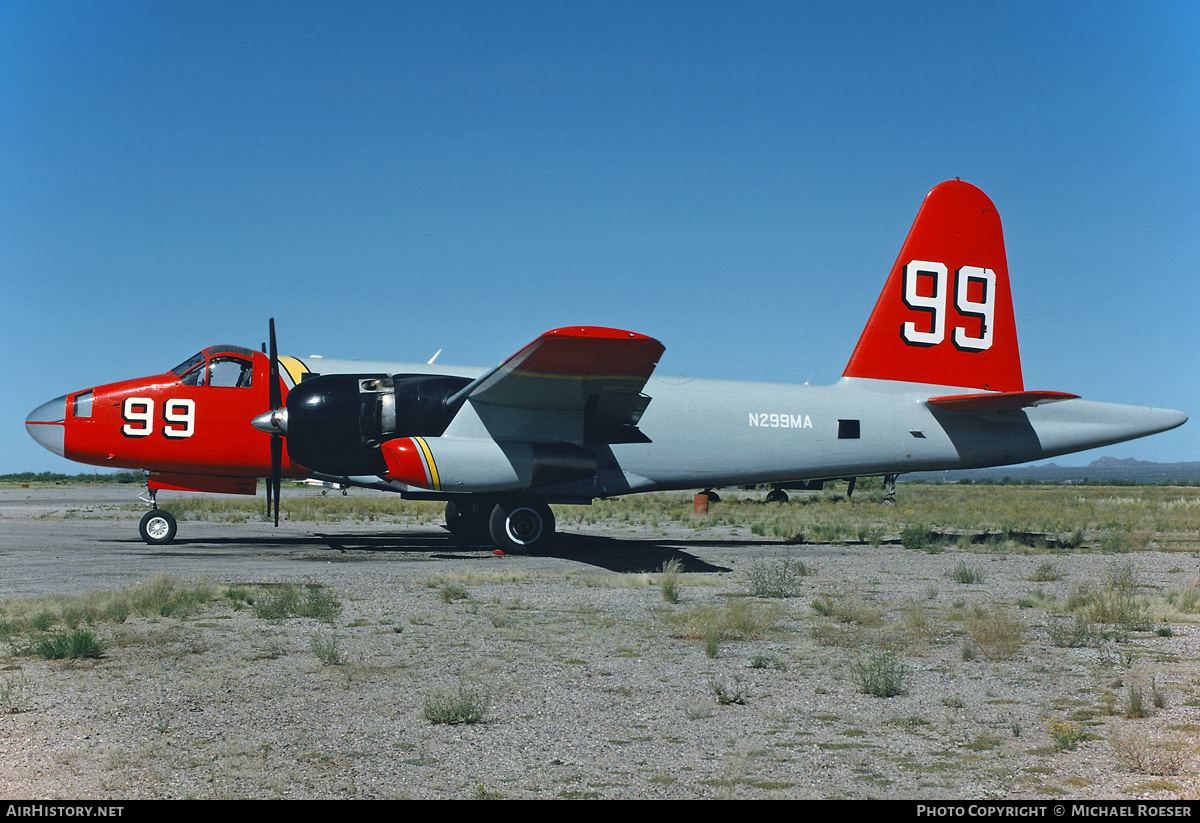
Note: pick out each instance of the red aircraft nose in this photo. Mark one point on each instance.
(47, 425)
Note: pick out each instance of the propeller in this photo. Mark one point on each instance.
(276, 400)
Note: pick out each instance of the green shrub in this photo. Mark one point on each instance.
(277, 605)
(328, 649)
(726, 696)
(449, 592)
(1117, 603)
(1047, 573)
(779, 578)
(881, 675)
(286, 601)
(76, 644)
(1072, 633)
(15, 694)
(464, 705)
(962, 573)
(1066, 735)
(920, 539)
(671, 582)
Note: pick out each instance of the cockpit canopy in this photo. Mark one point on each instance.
(223, 366)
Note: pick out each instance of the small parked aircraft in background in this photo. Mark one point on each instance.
(934, 383)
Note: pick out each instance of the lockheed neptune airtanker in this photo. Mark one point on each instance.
(934, 383)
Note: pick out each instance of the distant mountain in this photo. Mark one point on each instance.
(1123, 463)
(1103, 469)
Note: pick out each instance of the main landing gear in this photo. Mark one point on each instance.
(778, 495)
(157, 526)
(514, 525)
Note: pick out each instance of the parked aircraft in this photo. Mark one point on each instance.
(934, 383)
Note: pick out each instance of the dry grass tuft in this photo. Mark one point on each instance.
(1149, 754)
(998, 634)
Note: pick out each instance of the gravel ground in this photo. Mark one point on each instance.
(591, 688)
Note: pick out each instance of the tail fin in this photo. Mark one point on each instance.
(945, 316)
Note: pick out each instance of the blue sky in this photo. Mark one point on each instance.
(388, 179)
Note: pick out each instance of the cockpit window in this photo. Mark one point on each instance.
(230, 372)
(221, 371)
(242, 351)
(195, 377)
(212, 351)
(187, 365)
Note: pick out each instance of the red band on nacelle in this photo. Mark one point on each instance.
(405, 463)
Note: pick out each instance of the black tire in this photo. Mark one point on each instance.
(468, 522)
(521, 526)
(157, 527)
(777, 496)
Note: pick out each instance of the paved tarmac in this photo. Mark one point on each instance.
(72, 539)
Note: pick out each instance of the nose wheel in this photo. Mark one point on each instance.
(157, 527)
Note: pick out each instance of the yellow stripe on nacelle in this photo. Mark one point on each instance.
(435, 482)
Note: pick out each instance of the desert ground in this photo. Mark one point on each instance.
(969, 643)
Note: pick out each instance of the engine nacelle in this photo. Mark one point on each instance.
(336, 422)
(470, 465)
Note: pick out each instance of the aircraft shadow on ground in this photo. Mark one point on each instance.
(610, 553)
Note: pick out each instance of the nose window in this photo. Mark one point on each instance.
(82, 404)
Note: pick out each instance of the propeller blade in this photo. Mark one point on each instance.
(276, 470)
(275, 395)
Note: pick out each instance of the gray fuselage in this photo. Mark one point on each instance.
(712, 433)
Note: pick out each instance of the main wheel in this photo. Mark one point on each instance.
(520, 526)
(157, 527)
(468, 522)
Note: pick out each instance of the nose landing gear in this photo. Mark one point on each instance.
(157, 526)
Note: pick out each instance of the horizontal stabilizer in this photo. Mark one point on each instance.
(998, 401)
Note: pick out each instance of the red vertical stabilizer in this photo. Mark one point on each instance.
(946, 316)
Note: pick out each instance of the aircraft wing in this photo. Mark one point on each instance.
(590, 375)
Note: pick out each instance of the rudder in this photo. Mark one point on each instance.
(945, 315)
